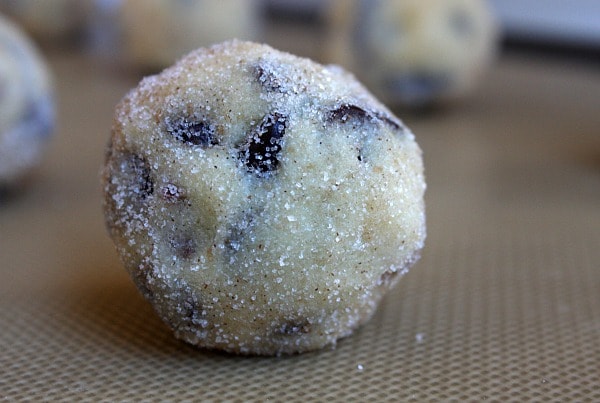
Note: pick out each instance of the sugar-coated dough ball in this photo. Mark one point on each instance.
(262, 202)
(155, 33)
(26, 105)
(413, 52)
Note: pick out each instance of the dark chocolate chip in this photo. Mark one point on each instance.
(189, 315)
(348, 113)
(184, 247)
(267, 79)
(390, 121)
(193, 309)
(129, 186)
(356, 115)
(194, 132)
(142, 183)
(260, 154)
(292, 328)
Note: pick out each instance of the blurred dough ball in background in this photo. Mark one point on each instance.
(413, 53)
(26, 105)
(47, 20)
(149, 35)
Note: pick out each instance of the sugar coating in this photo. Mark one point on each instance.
(413, 52)
(26, 104)
(262, 202)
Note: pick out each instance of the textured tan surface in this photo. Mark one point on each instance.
(503, 306)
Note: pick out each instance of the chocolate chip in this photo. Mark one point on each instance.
(291, 328)
(142, 184)
(348, 113)
(390, 121)
(190, 314)
(184, 247)
(129, 186)
(192, 307)
(260, 154)
(356, 115)
(267, 79)
(194, 132)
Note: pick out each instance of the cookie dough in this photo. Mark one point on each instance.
(26, 105)
(262, 202)
(413, 52)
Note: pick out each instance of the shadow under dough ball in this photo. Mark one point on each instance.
(262, 203)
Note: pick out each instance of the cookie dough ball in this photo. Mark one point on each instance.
(413, 52)
(26, 105)
(263, 203)
(153, 34)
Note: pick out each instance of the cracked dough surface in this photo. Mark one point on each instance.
(261, 202)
